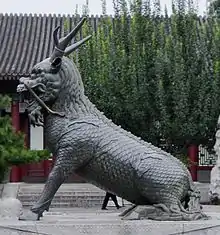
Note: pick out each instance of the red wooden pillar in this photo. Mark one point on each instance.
(15, 115)
(193, 158)
(15, 171)
(25, 129)
(47, 165)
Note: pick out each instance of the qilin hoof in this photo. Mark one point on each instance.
(30, 216)
(40, 208)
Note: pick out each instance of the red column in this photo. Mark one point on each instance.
(25, 129)
(15, 171)
(193, 158)
(15, 115)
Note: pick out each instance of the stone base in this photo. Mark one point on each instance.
(97, 222)
(160, 212)
(214, 191)
(10, 208)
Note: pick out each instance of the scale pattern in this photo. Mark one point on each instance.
(128, 165)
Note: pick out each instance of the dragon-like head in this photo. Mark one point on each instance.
(44, 83)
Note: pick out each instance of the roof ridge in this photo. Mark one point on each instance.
(31, 14)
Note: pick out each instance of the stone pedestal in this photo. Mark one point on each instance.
(1, 189)
(214, 192)
(10, 206)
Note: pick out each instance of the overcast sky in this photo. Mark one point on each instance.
(66, 6)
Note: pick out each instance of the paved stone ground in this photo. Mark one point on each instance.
(93, 221)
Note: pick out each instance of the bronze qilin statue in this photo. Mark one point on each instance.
(84, 141)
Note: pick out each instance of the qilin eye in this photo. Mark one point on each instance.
(33, 71)
(39, 70)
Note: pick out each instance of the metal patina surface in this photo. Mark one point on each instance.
(83, 140)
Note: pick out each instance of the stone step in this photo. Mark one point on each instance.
(81, 204)
(72, 189)
(71, 203)
(64, 191)
(65, 194)
(64, 186)
(67, 201)
(68, 196)
(62, 199)
(68, 204)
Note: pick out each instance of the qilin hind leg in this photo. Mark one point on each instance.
(164, 212)
(128, 211)
(60, 172)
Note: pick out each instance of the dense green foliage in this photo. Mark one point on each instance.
(12, 150)
(214, 8)
(155, 75)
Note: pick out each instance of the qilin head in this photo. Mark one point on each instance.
(46, 80)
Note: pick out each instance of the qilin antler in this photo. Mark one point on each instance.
(61, 48)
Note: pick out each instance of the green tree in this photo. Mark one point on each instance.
(12, 150)
(155, 75)
(214, 8)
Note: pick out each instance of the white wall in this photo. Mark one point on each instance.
(36, 138)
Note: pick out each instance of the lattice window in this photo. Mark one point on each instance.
(206, 158)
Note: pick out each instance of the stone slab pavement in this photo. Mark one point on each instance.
(93, 221)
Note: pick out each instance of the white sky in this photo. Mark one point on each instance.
(66, 6)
